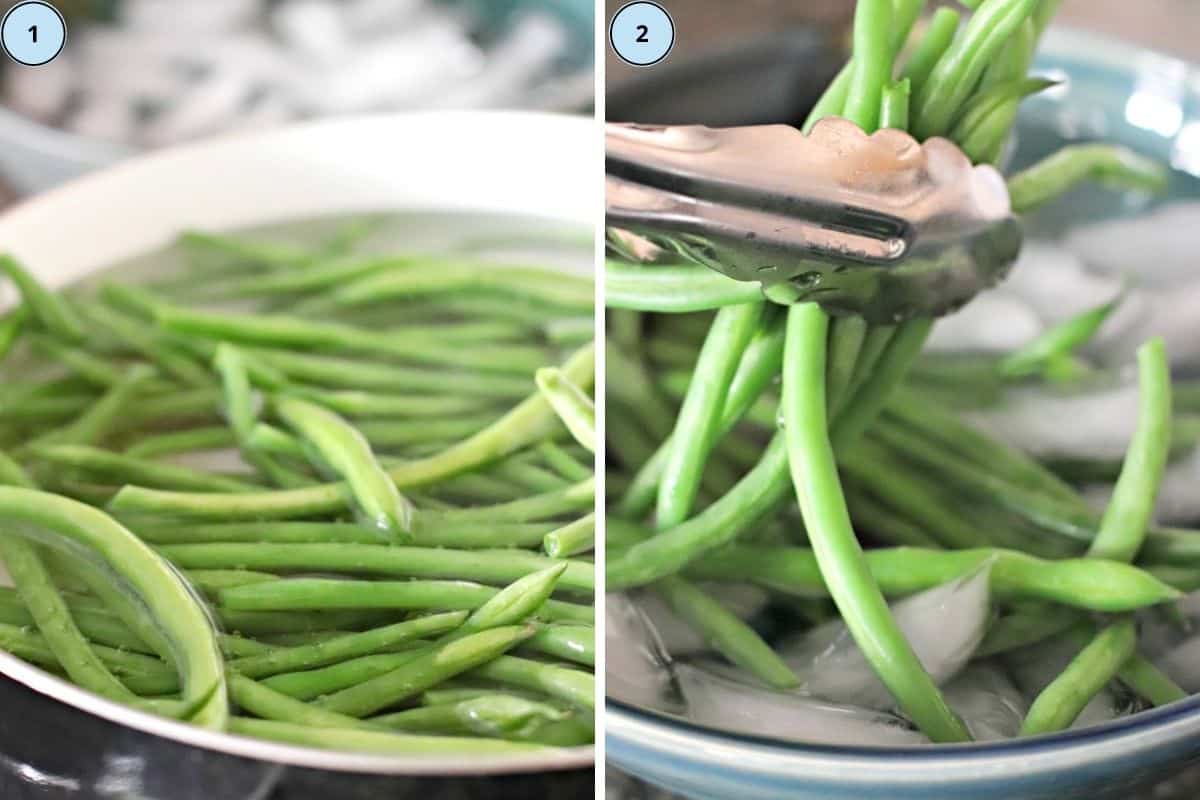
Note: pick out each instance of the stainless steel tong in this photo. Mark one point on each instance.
(881, 226)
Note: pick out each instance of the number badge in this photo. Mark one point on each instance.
(641, 33)
(33, 33)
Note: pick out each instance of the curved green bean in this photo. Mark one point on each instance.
(1098, 663)
(673, 289)
(1094, 584)
(170, 604)
(1131, 509)
(1116, 167)
(814, 475)
(348, 454)
(572, 405)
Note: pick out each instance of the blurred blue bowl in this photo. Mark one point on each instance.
(1117, 93)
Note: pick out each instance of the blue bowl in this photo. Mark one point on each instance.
(1116, 93)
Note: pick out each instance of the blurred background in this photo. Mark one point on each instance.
(141, 74)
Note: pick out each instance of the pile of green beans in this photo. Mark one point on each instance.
(303, 518)
(733, 413)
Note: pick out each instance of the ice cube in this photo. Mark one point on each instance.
(314, 29)
(103, 119)
(1182, 663)
(40, 92)
(214, 104)
(987, 701)
(524, 55)
(210, 16)
(994, 322)
(717, 701)
(944, 625)
(1158, 247)
(1091, 424)
(742, 599)
(1056, 284)
(636, 667)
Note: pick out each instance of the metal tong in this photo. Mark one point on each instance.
(880, 226)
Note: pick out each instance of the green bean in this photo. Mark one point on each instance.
(1093, 584)
(939, 34)
(360, 404)
(872, 62)
(1131, 509)
(1149, 682)
(114, 596)
(98, 421)
(893, 108)
(166, 597)
(877, 518)
(629, 381)
(494, 715)
(548, 505)
(568, 642)
(863, 408)
(12, 325)
(1115, 167)
(423, 345)
(121, 468)
(358, 374)
(978, 128)
(423, 595)
(241, 249)
(369, 741)
(51, 310)
(140, 339)
(571, 539)
(490, 566)
(948, 430)
(725, 633)
(570, 403)
(673, 289)
(267, 703)
(313, 277)
(210, 582)
(670, 550)
(47, 607)
(97, 625)
(1025, 628)
(426, 670)
(960, 67)
(760, 363)
(215, 437)
(515, 603)
(43, 409)
(700, 416)
(281, 504)
(876, 469)
(392, 433)
(314, 683)
(139, 674)
(438, 277)
(341, 648)
(563, 462)
(426, 532)
(571, 685)
(348, 454)
(93, 369)
(837, 552)
(1057, 706)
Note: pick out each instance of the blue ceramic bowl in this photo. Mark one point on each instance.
(1120, 94)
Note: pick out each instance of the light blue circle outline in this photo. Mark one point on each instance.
(613, 22)
(62, 21)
